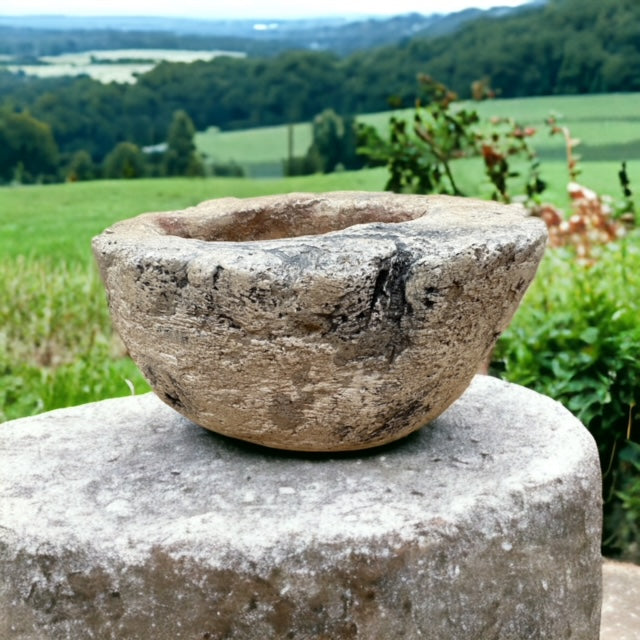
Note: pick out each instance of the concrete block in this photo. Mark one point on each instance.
(123, 520)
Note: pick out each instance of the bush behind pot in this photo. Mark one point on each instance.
(576, 338)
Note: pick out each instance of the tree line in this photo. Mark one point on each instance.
(29, 38)
(29, 153)
(564, 47)
(28, 44)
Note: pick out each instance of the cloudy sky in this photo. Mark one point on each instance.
(241, 8)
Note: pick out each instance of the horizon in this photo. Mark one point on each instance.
(241, 10)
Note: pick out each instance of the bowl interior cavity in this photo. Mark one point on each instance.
(289, 220)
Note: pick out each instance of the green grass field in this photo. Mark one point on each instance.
(608, 125)
(260, 151)
(57, 347)
(116, 65)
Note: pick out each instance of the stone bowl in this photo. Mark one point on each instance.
(317, 322)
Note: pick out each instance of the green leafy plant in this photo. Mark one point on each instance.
(421, 159)
(504, 141)
(576, 338)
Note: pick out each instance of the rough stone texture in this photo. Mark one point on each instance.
(122, 519)
(621, 602)
(346, 339)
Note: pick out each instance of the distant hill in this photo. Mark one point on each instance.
(55, 34)
(561, 47)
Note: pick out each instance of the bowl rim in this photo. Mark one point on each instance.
(429, 218)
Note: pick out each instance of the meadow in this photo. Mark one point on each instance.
(116, 65)
(607, 124)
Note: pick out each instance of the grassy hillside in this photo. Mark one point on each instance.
(608, 125)
(261, 151)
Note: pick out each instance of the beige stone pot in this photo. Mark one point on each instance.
(317, 322)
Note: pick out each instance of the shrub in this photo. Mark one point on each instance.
(301, 165)
(227, 170)
(81, 167)
(576, 338)
(420, 157)
(125, 161)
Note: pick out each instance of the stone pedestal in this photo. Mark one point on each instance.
(122, 519)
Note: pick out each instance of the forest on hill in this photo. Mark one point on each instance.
(29, 37)
(28, 44)
(563, 47)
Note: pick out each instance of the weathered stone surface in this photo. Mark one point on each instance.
(124, 520)
(250, 326)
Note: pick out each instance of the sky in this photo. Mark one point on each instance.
(274, 9)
